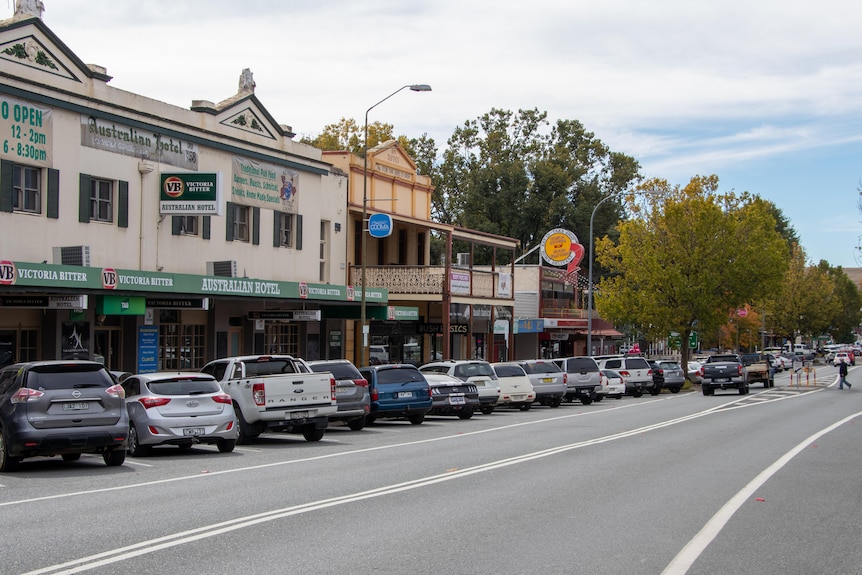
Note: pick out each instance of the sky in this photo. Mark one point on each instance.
(765, 94)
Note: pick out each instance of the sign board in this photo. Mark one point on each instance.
(28, 131)
(148, 349)
(190, 193)
(560, 247)
(288, 315)
(380, 225)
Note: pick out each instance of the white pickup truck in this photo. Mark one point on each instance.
(276, 393)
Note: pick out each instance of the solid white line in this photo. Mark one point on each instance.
(694, 548)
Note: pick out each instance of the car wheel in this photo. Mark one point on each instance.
(135, 447)
(599, 397)
(356, 424)
(707, 391)
(556, 402)
(71, 456)
(674, 389)
(416, 418)
(114, 457)
(312, 433)
(620, 396)
(226, 445)
(487, 410)
(637, 393)
(525, 406)
(466, 414)
(586, 399)
(370, 419)
(7, 462)
(247, 432)
(655, 390)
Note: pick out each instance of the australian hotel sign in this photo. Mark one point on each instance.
(192, 193)
(26, 274)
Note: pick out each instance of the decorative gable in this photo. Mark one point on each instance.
(29, 51)
(248, 120)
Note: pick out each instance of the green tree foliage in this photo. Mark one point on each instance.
(849, 300)
(514, 174)
(689, 258)
(349, 135)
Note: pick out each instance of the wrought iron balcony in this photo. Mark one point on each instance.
(429, 280)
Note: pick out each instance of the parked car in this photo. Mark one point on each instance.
(64, 408)
(635, 369)
(515, 387)
(351, 391)
(548, 379)
(844, 357)
(397, 390)
(583, 380)
(668, 375)
(480, 373)
(178, 408)
(780, 362)
(451, 396)
(613, 384)
(693, 371)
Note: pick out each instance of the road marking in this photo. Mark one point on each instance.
(199, 533)
(694, 548)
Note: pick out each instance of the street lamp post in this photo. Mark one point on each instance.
(364, 242)
(590, 276)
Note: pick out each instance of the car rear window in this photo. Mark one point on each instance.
(509, 370)
(541, 367)
(637, 363)
(614, 363)
(466, 370)
(581, 364)
(669, 365)
(68, 376)
(399, 375)
(184, 386)
(340, 370)
(269, 367)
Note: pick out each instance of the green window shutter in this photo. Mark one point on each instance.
(298, 231)
(84, 199)
(6, 201)
(53, 193)
(123, 205)
(206, 227)
(255, 226)
(276, 229)
(176, 225)
(231, 217)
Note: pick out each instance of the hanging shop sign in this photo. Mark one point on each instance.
(190, 194)
(529, 326)
(380, 225)
(121, 305)
(560, 246)
(286, 315)
(179, 303)
(47, 302)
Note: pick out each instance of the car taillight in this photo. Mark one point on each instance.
(116, 391)
(435, 391)
(149, 402)
(222, 398)
(565, 378)
(360, 382)
(25, 394)
(332, 386)
(625, 374)
(258, 392)
(739, 369)
(375, 395)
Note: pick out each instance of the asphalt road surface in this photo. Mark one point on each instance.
(679, 483)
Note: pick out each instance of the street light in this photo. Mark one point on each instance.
(590, 276)
(364, 242)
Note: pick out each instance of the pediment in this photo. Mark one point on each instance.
(391, 155)
(244, 112)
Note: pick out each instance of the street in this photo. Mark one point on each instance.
(678, 483)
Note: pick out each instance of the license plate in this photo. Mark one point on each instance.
(456, 400)
(402, 394)
(518, 397)
(547, 380)
(193, 431)
(76, 406)
(299, 415)
(723, 380)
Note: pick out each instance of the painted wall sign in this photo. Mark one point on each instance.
(128, 141)
(27, 132)
(264, 185)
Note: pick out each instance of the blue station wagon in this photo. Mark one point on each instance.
(397, 390)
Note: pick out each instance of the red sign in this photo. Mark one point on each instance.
(742, 312)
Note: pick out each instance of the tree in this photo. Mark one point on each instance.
(843, 326)
(516, 175)
(348, 135)
(688, 258)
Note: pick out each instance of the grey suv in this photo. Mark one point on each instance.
(583, 379)
(62, 408)
(351, 393)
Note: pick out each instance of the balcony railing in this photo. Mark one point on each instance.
(429, 280)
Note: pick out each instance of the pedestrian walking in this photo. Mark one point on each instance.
(842, 376)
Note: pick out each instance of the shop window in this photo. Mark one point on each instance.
(281, 338)
(181, 347)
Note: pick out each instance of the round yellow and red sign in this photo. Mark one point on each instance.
(560, 246)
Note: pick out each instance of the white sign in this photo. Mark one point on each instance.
(459, 283)
(67, 302)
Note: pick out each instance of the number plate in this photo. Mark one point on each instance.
(193, 431)
(456, 400)
(547, 380)
(405, 394)
(76, 406)
(299, 415)
(723, 380)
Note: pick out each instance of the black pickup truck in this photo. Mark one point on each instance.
(724, 371)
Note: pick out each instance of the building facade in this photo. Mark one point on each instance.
(150, 236)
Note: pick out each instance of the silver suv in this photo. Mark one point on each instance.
(634, 369)
(479, 373)
(62, 408)
(583, 379)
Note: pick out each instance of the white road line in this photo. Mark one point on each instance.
(184, 537)
(694, 548)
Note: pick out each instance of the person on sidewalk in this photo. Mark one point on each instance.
(842, 376)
